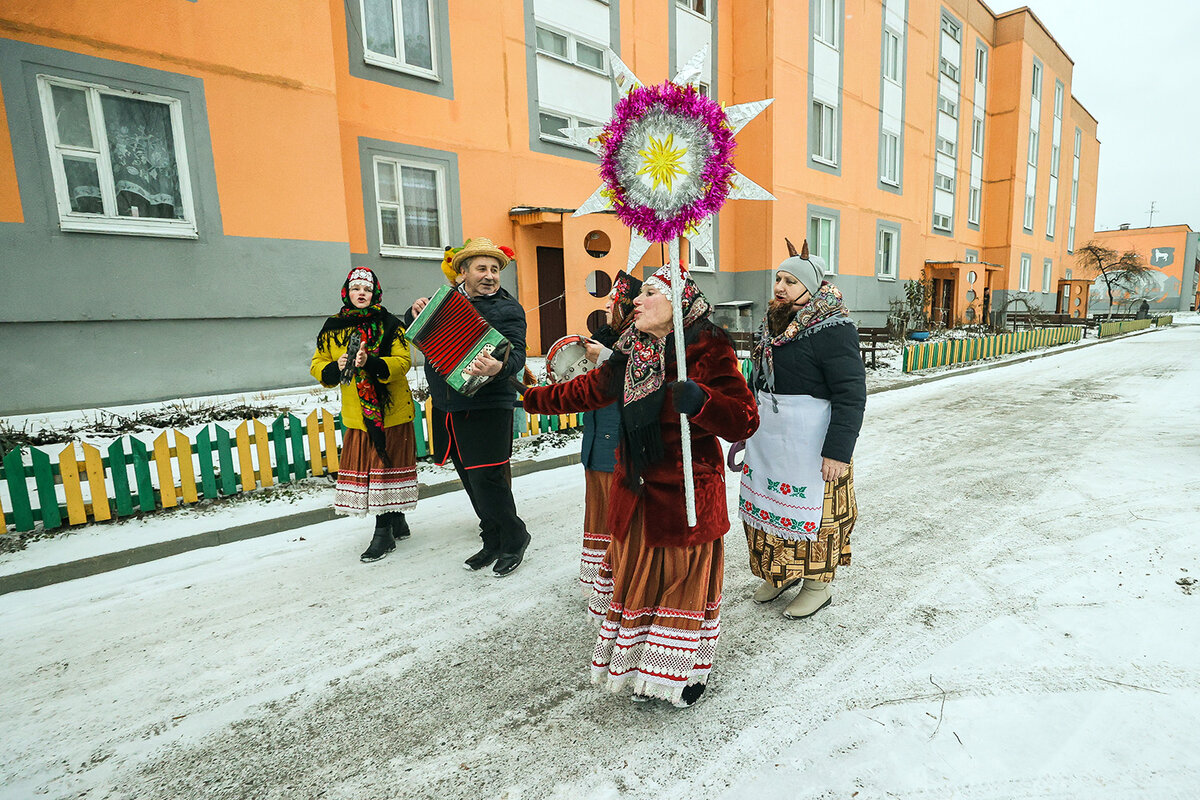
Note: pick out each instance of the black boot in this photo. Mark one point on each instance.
(399, 525)
(382, 542)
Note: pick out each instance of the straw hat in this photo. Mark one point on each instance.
(479, 246)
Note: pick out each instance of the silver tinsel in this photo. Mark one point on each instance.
(691, 134)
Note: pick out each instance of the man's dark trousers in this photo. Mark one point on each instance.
(479, 442)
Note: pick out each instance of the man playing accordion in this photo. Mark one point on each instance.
(475, 431)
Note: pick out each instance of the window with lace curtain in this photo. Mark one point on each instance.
(410, 196)
(398, 34)
(118, 159)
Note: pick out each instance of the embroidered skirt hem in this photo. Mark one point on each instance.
(367, 486)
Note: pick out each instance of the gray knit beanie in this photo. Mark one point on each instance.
(809, 271)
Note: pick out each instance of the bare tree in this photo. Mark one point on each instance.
(1119, 270)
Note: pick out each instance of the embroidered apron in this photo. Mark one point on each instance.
(782, 491)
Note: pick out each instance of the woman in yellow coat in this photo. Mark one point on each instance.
(378, 466)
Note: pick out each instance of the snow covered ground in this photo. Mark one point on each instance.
(1019, 621)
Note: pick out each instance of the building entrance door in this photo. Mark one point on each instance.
(942, 302)
(552, 285)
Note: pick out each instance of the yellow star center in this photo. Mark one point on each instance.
(661, 161)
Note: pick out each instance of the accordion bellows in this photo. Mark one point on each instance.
(450, 333)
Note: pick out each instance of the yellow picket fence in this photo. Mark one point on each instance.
(961, 351)
(1119, 326)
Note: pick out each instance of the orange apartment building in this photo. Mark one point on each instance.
(198, 184)
(1172, 252)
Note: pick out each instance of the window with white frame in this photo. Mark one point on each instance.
(952, 29)
(946, 147)
(695, 6)
(941, 222)
(948, 106)
(822, 240)
(824, 133)
(1058, 99)
(1026, 265)
(891, 55)
(410, 196)
(1033, 147)
(1047, 271)
(551, 123)
(570, 48)
(971, 257)
(889, 158)
(974, 202)
(943, 182)
(118, 159)
(977, 136)
(980, 65)
(1037, 81)
(399, 34)
(949, 70)
(887, 254)
(703, 89)
(825, 21)
(1078, 142)
(1054, 157)
(1052, 209)
(1030, 202)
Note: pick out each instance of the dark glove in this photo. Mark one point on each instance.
(330, 374)
(378, 368)
(689, 397)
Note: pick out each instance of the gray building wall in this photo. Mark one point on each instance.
(93, 319)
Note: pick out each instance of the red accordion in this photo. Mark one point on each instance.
(450, 333)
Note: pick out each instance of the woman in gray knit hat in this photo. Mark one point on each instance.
(797, 501)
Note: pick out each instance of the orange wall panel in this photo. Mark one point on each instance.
(10, 196)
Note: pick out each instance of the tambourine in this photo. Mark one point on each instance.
(567, 359)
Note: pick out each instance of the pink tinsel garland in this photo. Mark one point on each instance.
(684, 101)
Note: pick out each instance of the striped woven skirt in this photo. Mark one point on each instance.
(659, 610)
(782, 561)
(595, 527)
(365, 484)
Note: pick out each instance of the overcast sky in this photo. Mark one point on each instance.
(1137, 70)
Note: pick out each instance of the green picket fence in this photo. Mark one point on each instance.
(1164, 320)
(962, 351)
(131, 478)
(1119, 326)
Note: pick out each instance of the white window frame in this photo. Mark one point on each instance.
(110, 221)
(1037, 81)
(572, 56)
(825, 155)
(1058, 99)
(952, 28)
(1032, 155)
(1047, 274)
(981, 65)
(891, 56)
(1051, 214)
(1055, 155)
(889, 270)
(948, 69)
(977, 136)
(946, 147)
(1023, 277)
(814, 242)
(943, 182)
(974, 204)
(948, 107)
(941, 222)
(690, 5)
(403, 250)
(1030, 211)
(889, 157)
(397, 62)
(827, 9)
(573, 121)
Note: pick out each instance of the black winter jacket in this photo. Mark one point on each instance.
(504, 313)
(824, 363)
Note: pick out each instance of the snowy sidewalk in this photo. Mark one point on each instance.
(1019, 621)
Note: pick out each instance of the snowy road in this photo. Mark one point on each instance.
(1012, 626)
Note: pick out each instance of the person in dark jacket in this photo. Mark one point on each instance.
(476, 432)
(658, 595)
(601, 433)
(797, 501)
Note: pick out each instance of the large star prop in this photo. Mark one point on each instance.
(666, 159)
